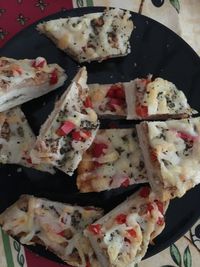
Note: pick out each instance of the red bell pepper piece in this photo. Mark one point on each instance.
(125, 183)
(88, 103)
(160, 206)
(121, 218)
(132, 232)
(116, 91)
(66, 128)
(95, 228)
(186, 136)
(142, 110)
(53, 77)
(144, 192)
(98, 149)
(39, 62)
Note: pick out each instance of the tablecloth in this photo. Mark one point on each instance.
(181, 16)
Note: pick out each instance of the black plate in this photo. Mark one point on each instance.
(156, 50)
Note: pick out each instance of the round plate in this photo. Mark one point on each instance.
(155, 50)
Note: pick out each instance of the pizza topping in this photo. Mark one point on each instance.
(54, 77)
(39, 62)
(141, 110)
(121, 218)
(116, 91)
(95, 228)
(160, 221)
(81, 135)
(153, 155)
(125, 183)
(187, 137)
(132, 232)
(145, 191)
(66, 128)
(160, 206)
(88, 103)
(98, 149)
(17, 70)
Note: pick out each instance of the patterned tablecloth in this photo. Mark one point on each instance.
(181, 16)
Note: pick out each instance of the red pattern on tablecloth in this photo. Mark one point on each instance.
(15, 15)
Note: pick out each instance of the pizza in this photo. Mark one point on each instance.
(95, 36)
(114, 160)
(171, 151)
(26, 79)
(122, 236)
(57, 226)
(17, 139)
(70, 128)
(140, 99)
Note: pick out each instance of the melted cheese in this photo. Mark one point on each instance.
(59, 226)
(114, 239)
(93, 36)
(121, 161)
(177, 144)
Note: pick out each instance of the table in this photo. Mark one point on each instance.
(184, 19)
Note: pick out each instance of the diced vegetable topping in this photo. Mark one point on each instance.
(95, 228)
(116, 91)
(125, 183)
(53, 77)
(187, 137)
(39, 62)
(98, 149)
(121, 218)
(88, 103)
(153, 155)
(160, 221)
(149, 207)
(81, 135)
(144, 192)
(66, 128)
(132, 232)
(160, 206)
(142, 110)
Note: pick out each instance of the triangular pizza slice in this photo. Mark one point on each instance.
(95, 36)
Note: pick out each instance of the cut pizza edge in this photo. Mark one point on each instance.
(27, 220)
(137, 220)
(82, 126)
(93, 36)
(166, 188)
(27, 79)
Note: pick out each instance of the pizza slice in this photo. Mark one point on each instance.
(95, 36)
(26, 79)
(114, 160)
(171, 152)
(17, 139)
(140, 99)
(122, 236)
(69, 130)
(57, 226)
